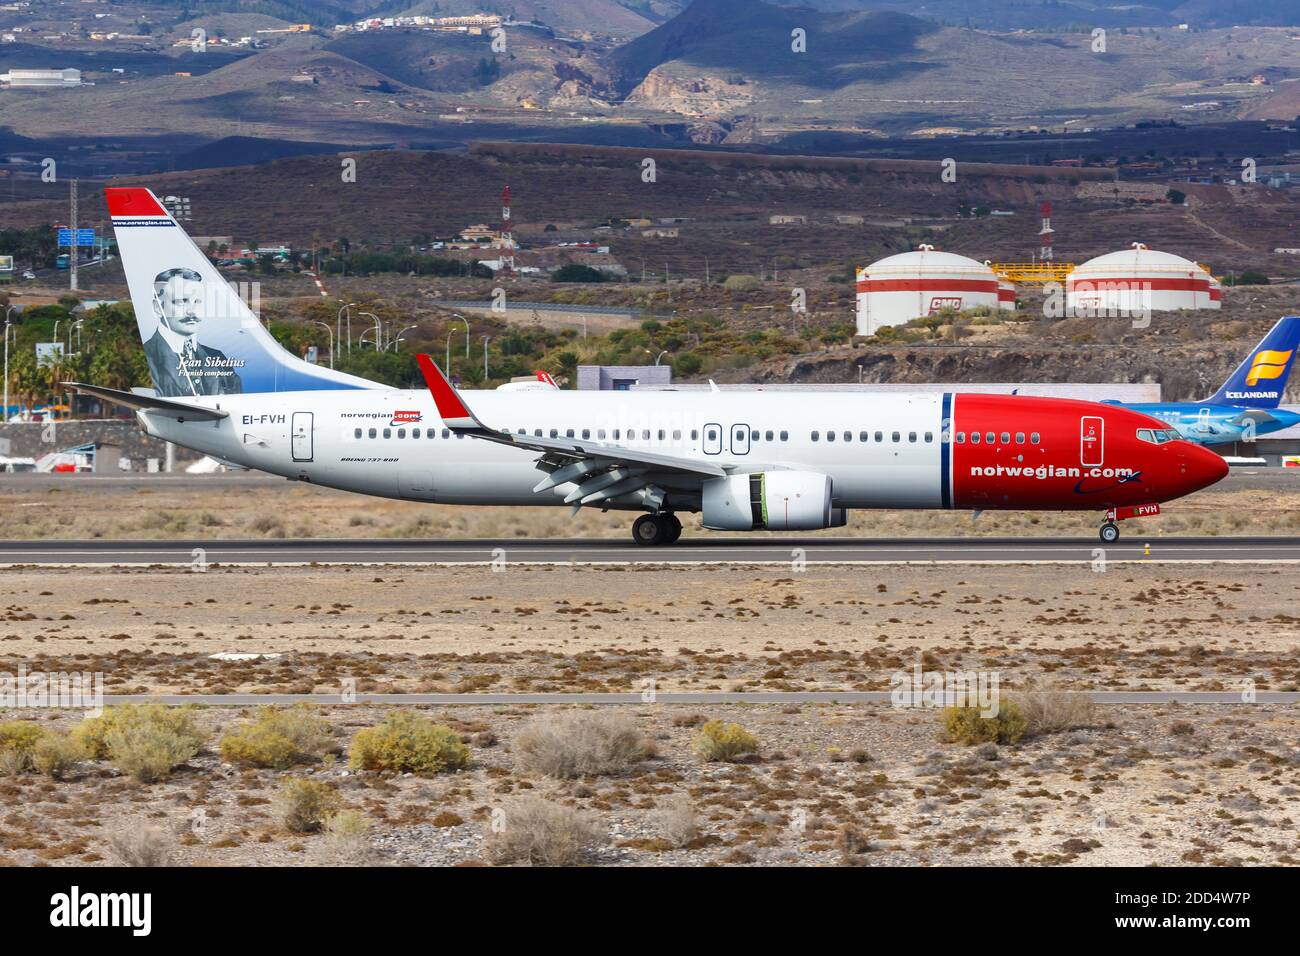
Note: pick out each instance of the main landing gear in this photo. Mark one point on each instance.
(656, 529)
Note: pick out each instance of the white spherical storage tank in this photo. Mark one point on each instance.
(1139, 280)
(900, 288)
(1006, 294)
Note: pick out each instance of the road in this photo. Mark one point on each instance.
(715, 549)
(689, 697)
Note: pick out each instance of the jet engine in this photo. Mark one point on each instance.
(770, 500)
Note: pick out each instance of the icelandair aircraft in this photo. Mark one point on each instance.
(1247, 403)
(743, 460)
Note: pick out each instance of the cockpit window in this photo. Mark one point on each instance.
(1158, 436)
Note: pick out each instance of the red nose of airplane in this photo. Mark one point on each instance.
(1200, 467)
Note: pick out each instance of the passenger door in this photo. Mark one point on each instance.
(301, 436)
(1092, 438)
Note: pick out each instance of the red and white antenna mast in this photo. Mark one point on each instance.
(1046, 233)
(507, 242)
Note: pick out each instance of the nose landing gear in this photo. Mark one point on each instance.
(656, 529)
(1109, 532)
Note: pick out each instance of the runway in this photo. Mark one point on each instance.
(705, 550)
(689, 697)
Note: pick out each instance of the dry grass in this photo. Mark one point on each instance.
(279, 738)
(541, 833)
(346, 840)
(580, 744)
(140, 844)
(726, 742)
(1048, 710)
(676, 821)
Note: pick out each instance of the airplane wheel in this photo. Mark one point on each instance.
(650, 530)
(1109, 532)
(674, 529)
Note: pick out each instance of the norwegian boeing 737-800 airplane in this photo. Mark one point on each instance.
(743, 460)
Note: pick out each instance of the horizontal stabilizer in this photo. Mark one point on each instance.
(149, 402)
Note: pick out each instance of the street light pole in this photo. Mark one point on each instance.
(8, 312)
(379, 330)
(330, 333)
(338, 325)
(447, 361)
(486, 339)
(398, 340)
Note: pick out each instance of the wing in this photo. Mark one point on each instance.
(600, 471)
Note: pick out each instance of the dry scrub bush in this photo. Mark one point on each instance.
(579, 744)
(407, 743)
(55, 754)
(676, 822)
(141, 845)
(346, 840)
(278, 738)
(722, 741)
(1050, 711)
(144, 741)
(303, 805)
(966, 725)
(18, 740)
(541, 833)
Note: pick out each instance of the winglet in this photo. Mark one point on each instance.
(454, 412)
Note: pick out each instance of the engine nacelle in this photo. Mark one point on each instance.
(771, 500)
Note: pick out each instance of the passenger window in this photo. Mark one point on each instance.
(695, 434)
(537, 433)
(445, 433)
(961, 438)
(373, 433)
(388, 433)
(662, 434)
(848, 436)
(415, 433)
(1006, 438)
(555, 433)
(830, 436)
(880, 436)
(357, 433)
(677, 434)
(974, 438)
(896, 436)
(645, 434)
(586, 433)
(401, 433)
(1033, 438)
(863, 436)
(1020, 438)
(768, 436)
(753, 436)
(990, 438)
(711, 435)
(600, 433)
(911, 437)
(816, 436)
(568, 433)
(616, 434)
(785, 436)
(929, 437)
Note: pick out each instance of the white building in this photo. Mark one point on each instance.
(900, 288)
(41, 78)
(1139, 280)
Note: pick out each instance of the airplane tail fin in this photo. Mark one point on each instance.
(1260, 380)
(199, 335)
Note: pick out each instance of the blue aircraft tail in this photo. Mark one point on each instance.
(1260, 380)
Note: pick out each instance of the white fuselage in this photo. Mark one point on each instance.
(392, 443)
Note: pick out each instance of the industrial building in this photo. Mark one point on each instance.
(1140, 280)
(900, 288)
(41, 78)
